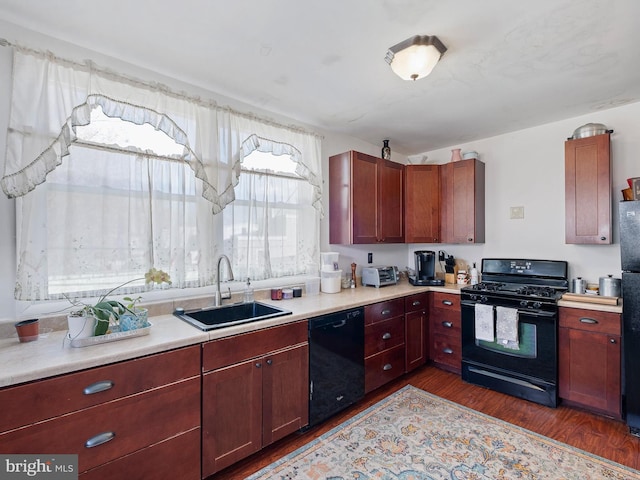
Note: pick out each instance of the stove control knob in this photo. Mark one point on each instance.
(483, 299)
(473, 297)
(523, 303)
(537, 304)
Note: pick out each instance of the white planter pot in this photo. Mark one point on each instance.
(81, 327)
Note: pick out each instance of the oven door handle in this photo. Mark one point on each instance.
(521, 311)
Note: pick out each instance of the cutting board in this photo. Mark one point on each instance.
(578, 297)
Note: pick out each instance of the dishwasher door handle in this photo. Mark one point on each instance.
(339, 324)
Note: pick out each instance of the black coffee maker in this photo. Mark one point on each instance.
(425, 269)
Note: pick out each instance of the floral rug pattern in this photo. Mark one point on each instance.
(414, 435)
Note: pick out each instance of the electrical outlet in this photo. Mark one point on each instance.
(516, 212)
(369, 257)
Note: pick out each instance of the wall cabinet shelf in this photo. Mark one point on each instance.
(365, 200)
(588, 190)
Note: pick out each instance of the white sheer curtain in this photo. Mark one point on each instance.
(158, 200)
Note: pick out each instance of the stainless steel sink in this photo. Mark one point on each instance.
(229, 315)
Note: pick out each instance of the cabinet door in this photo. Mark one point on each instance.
(365, 197)
(588, 190)
(589, 370)
(390, 202)
(285, 393)
(416, 339)
(422, 204)
(462, 209)
(231, 415)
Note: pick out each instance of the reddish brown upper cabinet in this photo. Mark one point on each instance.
(462, 201)
(590, 360)
(588, 190)
(366, 197)
(422, 203)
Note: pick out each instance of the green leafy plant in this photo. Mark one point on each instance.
(107, 311)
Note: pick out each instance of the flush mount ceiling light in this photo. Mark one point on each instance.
(415, 57)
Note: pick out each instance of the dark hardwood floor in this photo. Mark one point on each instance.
(596, 434)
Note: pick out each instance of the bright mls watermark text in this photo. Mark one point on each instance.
(50, 467)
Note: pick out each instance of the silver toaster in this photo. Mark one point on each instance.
(379, 276)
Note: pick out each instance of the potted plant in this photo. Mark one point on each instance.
(96, 319)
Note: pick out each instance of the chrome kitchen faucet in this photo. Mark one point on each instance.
(218, 296)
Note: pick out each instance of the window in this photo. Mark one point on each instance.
(113, 176)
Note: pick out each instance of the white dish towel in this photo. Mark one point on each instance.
(507, 327)
(484, 322)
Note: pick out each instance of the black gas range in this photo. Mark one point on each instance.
(519, 295)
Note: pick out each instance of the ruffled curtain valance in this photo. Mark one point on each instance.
(51, 97)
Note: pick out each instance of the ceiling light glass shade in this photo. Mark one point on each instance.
(415, 57)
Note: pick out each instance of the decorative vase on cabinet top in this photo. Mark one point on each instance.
(455, 155)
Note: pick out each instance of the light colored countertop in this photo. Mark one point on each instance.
(52, 354)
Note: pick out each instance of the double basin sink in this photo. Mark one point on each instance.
(229, 315)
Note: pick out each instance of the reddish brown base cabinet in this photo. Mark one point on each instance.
(416, 330)
(446, 332)
(589, 360)
(255, 391)
(120, 419)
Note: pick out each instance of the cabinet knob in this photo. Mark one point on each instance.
(470, 239)
(447, 350)
(269, 362)
(590, 321)
(387, 367)
(258, 365)
(603, 238)
(416, 303)
(99, 439)
(98, 387)
(386, 336)
(612, 340)
(447, 324)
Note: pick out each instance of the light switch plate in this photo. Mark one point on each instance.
(517, 212)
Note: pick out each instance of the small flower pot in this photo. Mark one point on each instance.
(133, 321)
(81, 326)
(28, 330)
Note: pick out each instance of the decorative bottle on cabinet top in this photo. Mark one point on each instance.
(386, 150)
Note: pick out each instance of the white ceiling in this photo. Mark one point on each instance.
(509, 65)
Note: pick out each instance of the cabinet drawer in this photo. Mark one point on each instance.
(383, 310)
(445, 322)
(131, 423)
(447, 350)
(43, 399)
(383, 367)
(151, 462)
(414, 303)
(383, 335)
(230, 350)
(591, 320)
(446, 301)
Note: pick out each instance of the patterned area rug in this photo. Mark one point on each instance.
(414, 435)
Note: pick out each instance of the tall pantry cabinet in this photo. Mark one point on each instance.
(365, 199)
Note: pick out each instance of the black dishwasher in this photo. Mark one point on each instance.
(336, 363)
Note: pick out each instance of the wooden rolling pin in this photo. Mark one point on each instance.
(579, 297)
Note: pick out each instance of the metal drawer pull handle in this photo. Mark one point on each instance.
(98, 387)
(385, 312)
(591, 321)
(416, 303)
(447, 302)
(100, 439)
(386, 336)
(447, 324)
(447, 351)
(387, 367)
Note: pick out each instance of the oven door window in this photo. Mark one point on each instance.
(527, 343)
